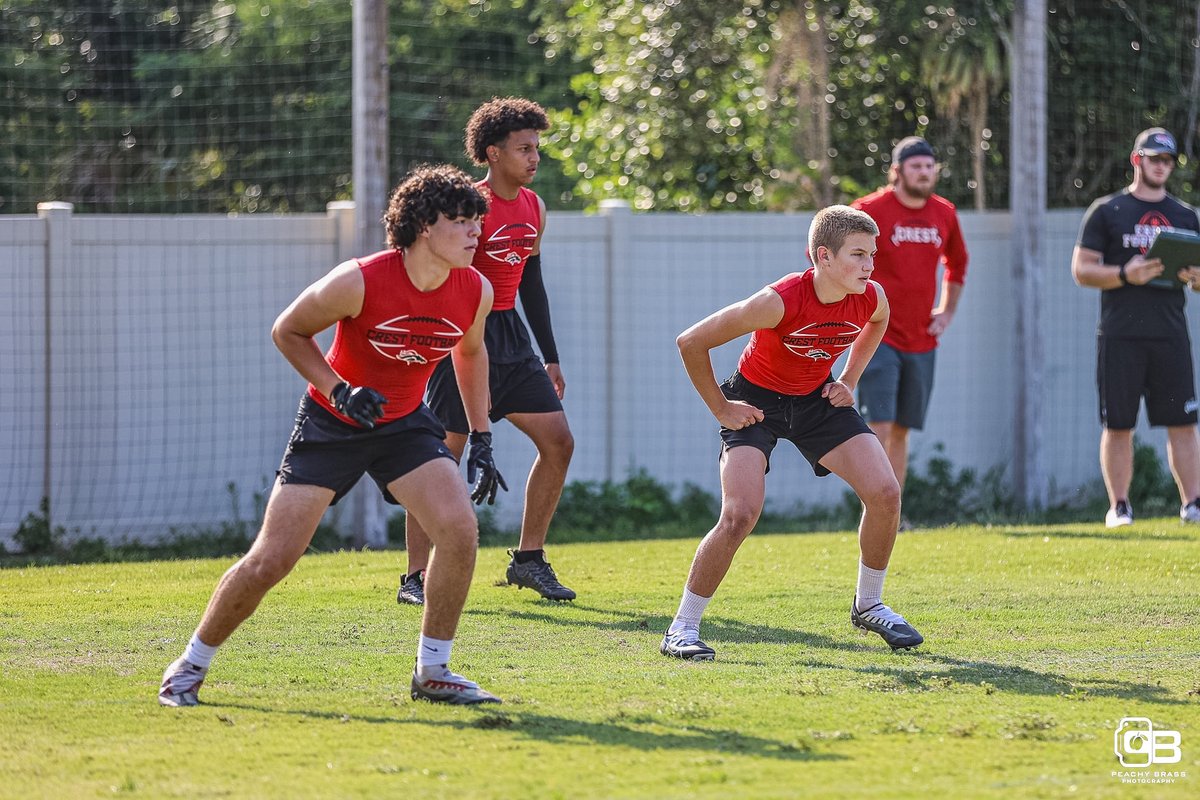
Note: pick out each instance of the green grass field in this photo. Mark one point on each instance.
(1038, 641)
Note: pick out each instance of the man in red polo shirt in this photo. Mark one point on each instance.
(918, 233)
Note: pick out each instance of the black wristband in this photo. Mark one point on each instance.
(1121, 275)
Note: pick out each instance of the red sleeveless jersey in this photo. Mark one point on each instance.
(796, 356)
(510, 230)
(401, 333)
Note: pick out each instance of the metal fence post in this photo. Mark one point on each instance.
(616, 249)
(57, 217)
(1027, 190)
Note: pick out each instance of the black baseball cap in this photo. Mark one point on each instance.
(911, 146)
(1155, 141)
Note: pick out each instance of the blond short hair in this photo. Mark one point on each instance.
(833, 224)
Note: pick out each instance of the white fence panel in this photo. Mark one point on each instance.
(165, 388)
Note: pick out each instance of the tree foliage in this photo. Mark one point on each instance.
(754, 104)
(672, 110)
(130, 105)
(1117, 67)
(449, 57)
(244, 105)
(965, 67)
(138, 106)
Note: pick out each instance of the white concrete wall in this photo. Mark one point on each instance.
(22, 367)
(165, 387)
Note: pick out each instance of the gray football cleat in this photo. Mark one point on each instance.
(181, 684)
(686, 644)
(880, 619)
(449, 687)
(412, 589)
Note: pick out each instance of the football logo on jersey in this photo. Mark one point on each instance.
(822, 341)
(1149, 226)
(414, 340)
(511, 244)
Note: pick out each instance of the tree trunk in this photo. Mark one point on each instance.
(977, 108)
(812, 41)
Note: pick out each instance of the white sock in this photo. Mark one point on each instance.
(433, 652)
(870, 586)
(691, 608)
(199, 653)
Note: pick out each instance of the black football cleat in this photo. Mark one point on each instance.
(539, 576)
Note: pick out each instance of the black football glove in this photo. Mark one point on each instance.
(362, 404)
(479, 459)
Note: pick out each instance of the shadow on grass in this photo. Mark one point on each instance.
(670, 531)
(547, 728)
(1004, 677)
(1013, 679)
(716, 628)
(1117, 534)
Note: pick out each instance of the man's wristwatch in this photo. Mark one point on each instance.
(1121, 275)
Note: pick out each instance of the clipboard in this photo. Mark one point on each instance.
(1177, 249)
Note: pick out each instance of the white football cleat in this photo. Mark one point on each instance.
(1121, 515)
(181, 684)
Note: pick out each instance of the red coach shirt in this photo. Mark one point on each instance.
(796, 356)
(401, 333)
(911, 244)
(510, 230)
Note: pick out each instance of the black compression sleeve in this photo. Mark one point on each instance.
(537, 308)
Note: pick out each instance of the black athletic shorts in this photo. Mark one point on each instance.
(807, 421)
(1158, 369)
(324, 451)
(519, 388)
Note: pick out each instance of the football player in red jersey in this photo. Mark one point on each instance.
(504, 134)
(784, 388)
(397, 314)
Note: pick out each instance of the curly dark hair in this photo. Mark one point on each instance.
(493, 121)
(426, 192)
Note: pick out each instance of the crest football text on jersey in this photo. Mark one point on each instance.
(508, 236)
(822, 341)
(511, 244)
(796, 356)
(401, 332)
(415, 340)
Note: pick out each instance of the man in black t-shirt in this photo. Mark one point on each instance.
(1143, 349)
